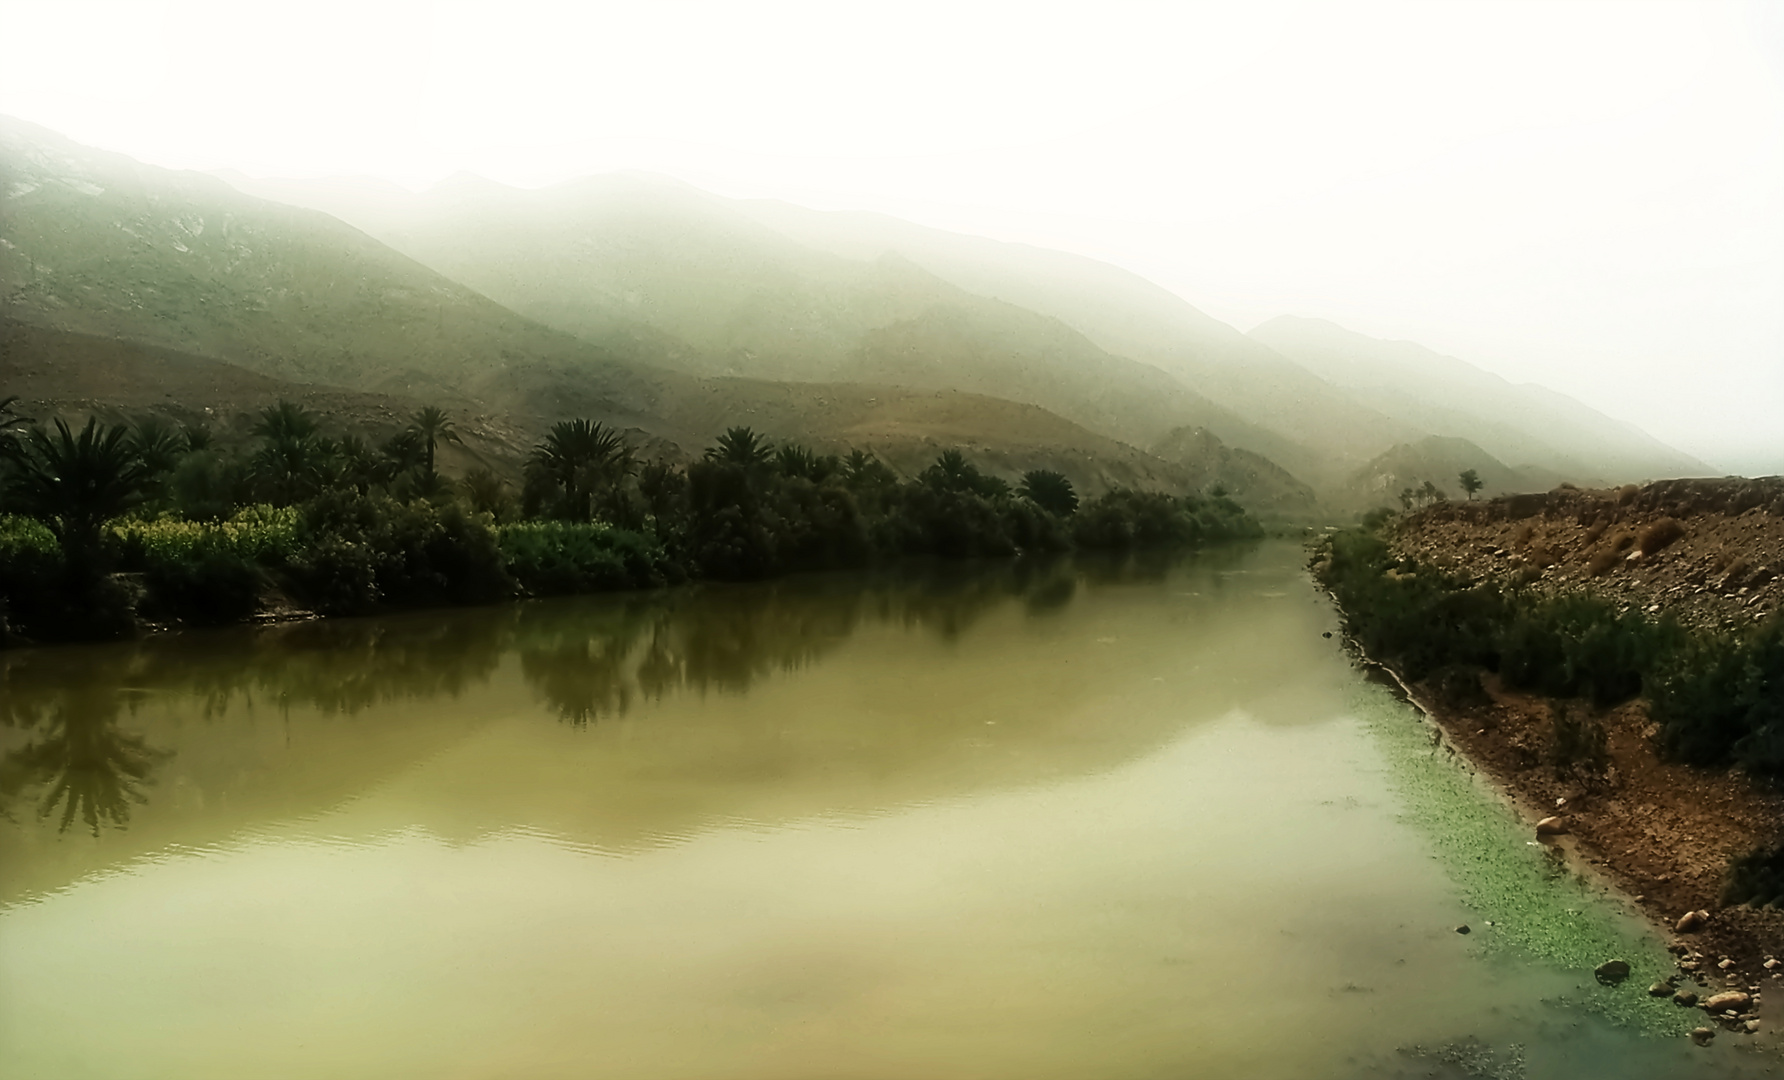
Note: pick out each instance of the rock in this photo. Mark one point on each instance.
(1611, 972)
(1660, 990)
(1552, 826)
(1687, 998)
(1752, 1026)
(1738, 1000)
(1726, 963)
(1692, 921)
(1772, 965)
(1702, 1036)
(1463, 929)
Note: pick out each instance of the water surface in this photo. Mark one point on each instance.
(1096, 819)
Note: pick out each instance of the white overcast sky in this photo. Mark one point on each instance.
(1590, 196)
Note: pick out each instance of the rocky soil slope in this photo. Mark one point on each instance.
(1708, 552)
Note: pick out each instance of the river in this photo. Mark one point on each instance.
(1062, 819)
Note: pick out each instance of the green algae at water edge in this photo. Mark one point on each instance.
(1526, 898)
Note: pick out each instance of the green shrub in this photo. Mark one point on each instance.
(363, 552)
(1721, 698)
(937, 520)
(557, 558)
(210, 583)
(262, 534)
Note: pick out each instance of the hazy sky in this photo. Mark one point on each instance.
(1586, 195)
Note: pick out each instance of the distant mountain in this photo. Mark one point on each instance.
(128, 289)
(604, 257)
(1439, 460)
(1522, 425)
(1287, 413)
(502, 413)
(1252, 479)
(96, 243)
(666, 310)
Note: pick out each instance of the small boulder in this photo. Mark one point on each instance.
(1737, 1000)
(1692, 921)
(1687, 998)
(1702, 1036)
(1552, 826)
(1660, 989)
(1752, 1027)
(1463, 929)
(1611, 972)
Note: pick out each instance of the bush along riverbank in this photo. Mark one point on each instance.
(106, 529)
(1650, 748)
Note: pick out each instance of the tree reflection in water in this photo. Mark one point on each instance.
(87, 767)
(595, 660)
(586, 659)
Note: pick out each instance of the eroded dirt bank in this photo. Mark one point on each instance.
(1709, 553)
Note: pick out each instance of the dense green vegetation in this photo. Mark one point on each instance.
(105, 524)
(1718, 697)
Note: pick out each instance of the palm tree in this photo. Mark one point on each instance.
(286, 421)
(75, 483)
(794, 460)
(1050, 491)
(487, 493)
(159, 444)
(432, 427)
(741, 446)
(289, 466)
(582, 456)
(11, 423)
(861, 469)
(404, 451)
(952, 472)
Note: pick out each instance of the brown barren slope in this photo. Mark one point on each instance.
(1664, 831)
(59, 373)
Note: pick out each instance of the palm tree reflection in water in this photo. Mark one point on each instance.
(88, 767)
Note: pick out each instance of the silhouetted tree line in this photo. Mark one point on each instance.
(105, 524)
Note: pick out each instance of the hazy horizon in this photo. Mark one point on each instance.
(1577, 195)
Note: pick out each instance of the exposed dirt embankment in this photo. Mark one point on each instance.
(1711, 554)
(1708, 552)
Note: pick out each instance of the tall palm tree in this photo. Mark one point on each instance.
(158, 443)
(75, 483)
(582, 456)
(741, 446)
(1050, 491)
(286, 421)
(431, 426)
(794, 460)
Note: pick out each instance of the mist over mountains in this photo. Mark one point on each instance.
(672, 312)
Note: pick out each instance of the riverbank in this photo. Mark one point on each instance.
(1562, 685)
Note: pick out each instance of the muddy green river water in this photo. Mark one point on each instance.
(1077, 820)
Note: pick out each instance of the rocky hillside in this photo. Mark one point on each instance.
(1255, 481)
(502, 414)
(1521, 425)
(130, 289)
(1709, 552)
